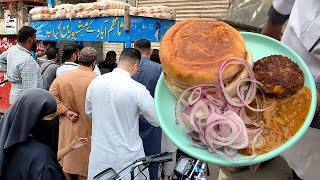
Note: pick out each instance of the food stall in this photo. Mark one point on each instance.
(115, 23)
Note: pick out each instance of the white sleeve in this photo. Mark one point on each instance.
(97, 70)
(58, 72)
(3, 60)
(146, 107)
(283, 6)
(88, 104)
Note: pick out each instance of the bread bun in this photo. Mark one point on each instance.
(52, 11)
(71, 15)
(121, 12)
(82, 14)
(93, 6)
(106, 13)
(53, 17)
(191, 55)
(58, 7)
(80, 7)
(61, 15)
(61, 11)
(117, 12)
(41, 17)
(96, 5)
(69, 7)
(106, 4)
(114, 5)
(133, 10)
(123, 5)
(39, 10)
(95, 13)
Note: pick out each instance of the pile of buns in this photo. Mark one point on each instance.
(162, 12)
(42, 13)
(101, 8)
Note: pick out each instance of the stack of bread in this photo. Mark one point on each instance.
(42, 13)
(162, 12)
(102, 8)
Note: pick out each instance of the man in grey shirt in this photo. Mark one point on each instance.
(23, 71)
(49, 68)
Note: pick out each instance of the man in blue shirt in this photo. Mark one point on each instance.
(148, 75)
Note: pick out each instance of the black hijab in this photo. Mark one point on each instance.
(17, 123)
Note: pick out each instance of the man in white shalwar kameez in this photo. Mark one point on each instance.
(115, 101)
(302, 34)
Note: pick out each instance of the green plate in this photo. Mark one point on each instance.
(260, 46)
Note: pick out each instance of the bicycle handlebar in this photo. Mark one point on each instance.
(161, 158)
(110, 174)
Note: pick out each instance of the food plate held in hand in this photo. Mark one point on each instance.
(217, 106)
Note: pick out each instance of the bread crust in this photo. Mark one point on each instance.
(178, 88)
(192, 50)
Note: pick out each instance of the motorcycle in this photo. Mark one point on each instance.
(188, 168)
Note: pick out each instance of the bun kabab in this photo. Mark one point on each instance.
(192, 50)
(226, 102)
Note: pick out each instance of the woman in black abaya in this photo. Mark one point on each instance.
(26, 150)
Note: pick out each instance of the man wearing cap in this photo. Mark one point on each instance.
(69, 90)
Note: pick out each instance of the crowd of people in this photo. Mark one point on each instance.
(81, 122)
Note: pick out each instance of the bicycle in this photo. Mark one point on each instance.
(111, 174)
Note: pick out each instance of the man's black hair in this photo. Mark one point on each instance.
(142, 44)
(111, 54)
(25, 33)
(111, 57)
(52, 52)
(155, 56)
(130, 54)
(68, 50)
(51, 43)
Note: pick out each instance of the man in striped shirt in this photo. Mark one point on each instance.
(23, 71)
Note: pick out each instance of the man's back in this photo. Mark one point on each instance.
(22, 70)
(73, 87)
(48, 73)
(115, 105)
(115, 101)
(148, 74)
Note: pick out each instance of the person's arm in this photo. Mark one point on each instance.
(278, 14)
(61, 108)
(75, 144)
(88, 104)
(146, 107)
(3, 61)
